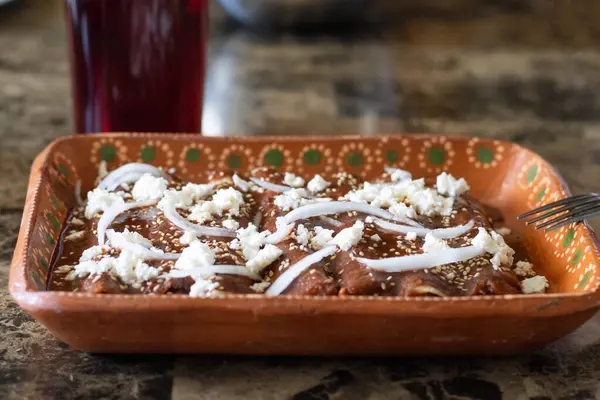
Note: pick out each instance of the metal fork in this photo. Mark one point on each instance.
(564, 212)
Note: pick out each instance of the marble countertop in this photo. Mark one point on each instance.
(525, 71)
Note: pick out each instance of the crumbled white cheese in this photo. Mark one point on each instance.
(187, 237)
(197, 254)
(537, 284)
(250, 240)
(402, 210)
(263, 258)
(185, 197)
(260, 287)
(231, 224)
(321, 238)
(293, 180)
(204, 288)
(397, 175)
(317, 184)
(494, 244)
(503, 231)
(197, 191)
(302, 235)
(433, 244)
(240, 183)
(376, 238)
(75, 235)
(90, 267)
(121, 239)
(524, 268)
(203, 211)
(149, 188)
(92, 252)
(449, 185)
(411, 236)
(290, 199)
(130, 267)
(228, 200)
(348, 237)
(100, 200)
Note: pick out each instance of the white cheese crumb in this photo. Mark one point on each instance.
(75, 235)
(376, 238)
(503, 231)
(321, 238)
(260, 287)
(250, 240)
(92, 252)
(231, 224)
(293, 180)
(149, 188)
(348, 237)
(494, 244)
(537, 284)
(433, 244)
(228, 200)
(130, 267)
(121, 239)
(197, 254)
(187, 237)
(290, 199)
(204, 288)
(317, 184)
(203, 211)
(524, 268)
(240, 183)
(411, 236)
(449, 185)
(302, 235)
(263, 258)
(90, 267)
(397, 175)
(197, 191)
(185, 197)
(100, 200)
(402, 210)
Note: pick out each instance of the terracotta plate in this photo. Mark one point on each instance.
(501, 174)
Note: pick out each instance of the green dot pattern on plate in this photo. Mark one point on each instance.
(234, 161)
(436, 155)
(50, 240)
(108, 153)
(312, 157)
(274, 157)
(485, 155)
(577, 256)
(531, 174)
(540, 195)
(148, 153)
(585, 280)
(63, 170)
(53, 221)
(391, 156)
(568, 238)
(192, 155)
(355, 159)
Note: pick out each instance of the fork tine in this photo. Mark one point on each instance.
(555, 204)
(567, 207)
(573, 213)
(577, 218)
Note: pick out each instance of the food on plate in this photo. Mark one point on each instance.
(142, 230)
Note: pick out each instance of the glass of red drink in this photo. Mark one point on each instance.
(137, 65)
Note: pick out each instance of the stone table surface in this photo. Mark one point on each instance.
(524, 71)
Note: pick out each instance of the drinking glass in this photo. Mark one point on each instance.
(137, 65)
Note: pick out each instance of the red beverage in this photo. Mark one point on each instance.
(137, 65)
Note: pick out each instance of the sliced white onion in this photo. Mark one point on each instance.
(280, 234)
(442, 233)
(178, 220)
(112, 212)
(208, 271)
(78, 197)
(257, 219)
(289, 275)
(271, 186)
(422, 261)
(334, 207)
(128, 173)
(148, 254)
(331, 221)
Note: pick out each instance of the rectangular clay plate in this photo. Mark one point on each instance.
(501, 174)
